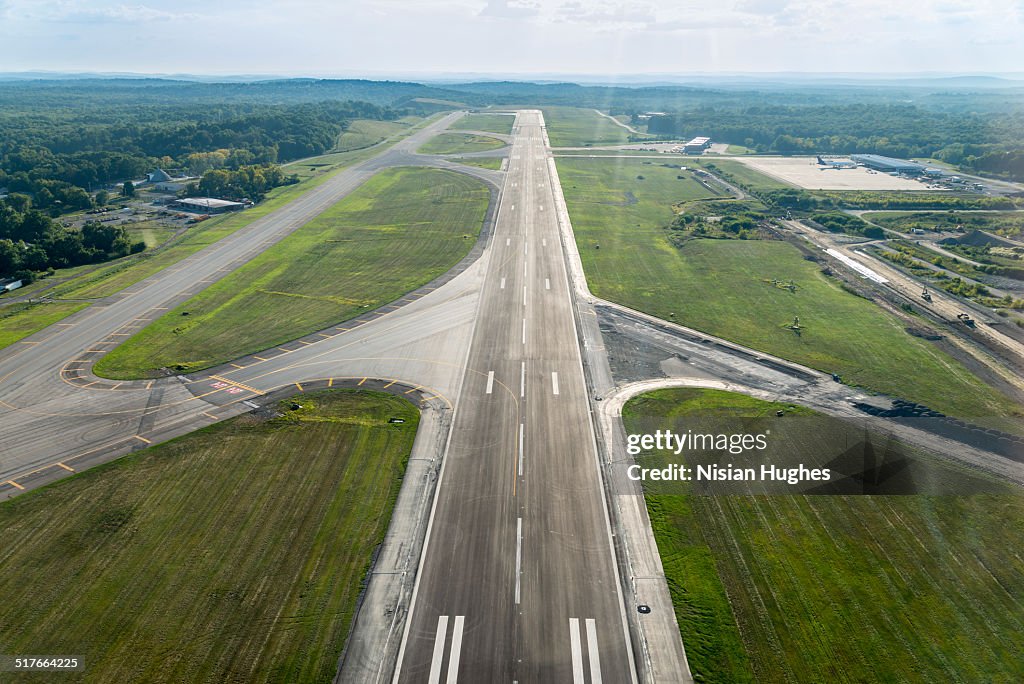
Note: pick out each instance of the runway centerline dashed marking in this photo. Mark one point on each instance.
(519, 555)
(502, 287)
(554, 382)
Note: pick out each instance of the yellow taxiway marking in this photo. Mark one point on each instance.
(325, 335)
(24, 342)
(330, 382)
(258, 357)
(12, 482)
(299, 386)
(142, 439)
(237, 366)
(390, 384)
(91, 383)
(161, 308)
(211, 417)
(95, 351)
(287, 351)
(363, 380)
(412, 390)
(304, 342)
(116, 386)
(67, 324)
(66, 467)
(236, 384)
(150, 384)
(120, 334)
(343, 329)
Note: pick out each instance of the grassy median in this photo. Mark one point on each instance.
(401, 229)
(576, 127)
(837, 588)
(492, 123)
(459, 143)
(725, 288)
(235, 554)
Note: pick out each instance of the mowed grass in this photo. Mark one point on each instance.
(18, 321)
(838, 588)
(366, 132)
(235, 554)
(493, 123)
(743, 175)
(459, 143)
(401, 229)
(492, 163)
(724, 288)
(576, 127)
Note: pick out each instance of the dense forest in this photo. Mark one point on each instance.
(60, 157)
(30, 241)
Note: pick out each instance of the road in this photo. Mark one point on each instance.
(518, 582)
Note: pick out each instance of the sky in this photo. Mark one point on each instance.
(410, 38)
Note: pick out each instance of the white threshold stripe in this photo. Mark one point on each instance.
(592, 651)
(513, 207)
(435, 662)
(502, 284)
(522, 428)
(544, 242)
(522, 380)
(508, 241)
(554, 382)
(542, 208)
(547, 283)
(490, 381)
(519, 553)
(577, 650)
(526, 248)
(453, 660)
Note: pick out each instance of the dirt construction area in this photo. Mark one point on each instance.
(805, 172)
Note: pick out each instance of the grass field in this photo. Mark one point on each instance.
(18, 321)
(399, 230)
(838, 588)
(741, 174)
(574, 127)
(366, 132)
(235, 554)
(493, 123)
(492, 163)
(720, 287)
(459, 143)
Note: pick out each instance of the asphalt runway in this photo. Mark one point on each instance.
(518, 581)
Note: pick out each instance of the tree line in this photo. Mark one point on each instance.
(61, 158)
(30, 241)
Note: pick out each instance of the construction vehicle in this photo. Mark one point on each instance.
(966, 319)
(926, 296)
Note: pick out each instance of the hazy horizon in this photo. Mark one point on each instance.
(522, 38)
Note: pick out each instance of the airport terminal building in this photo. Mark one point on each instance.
(889, 164)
